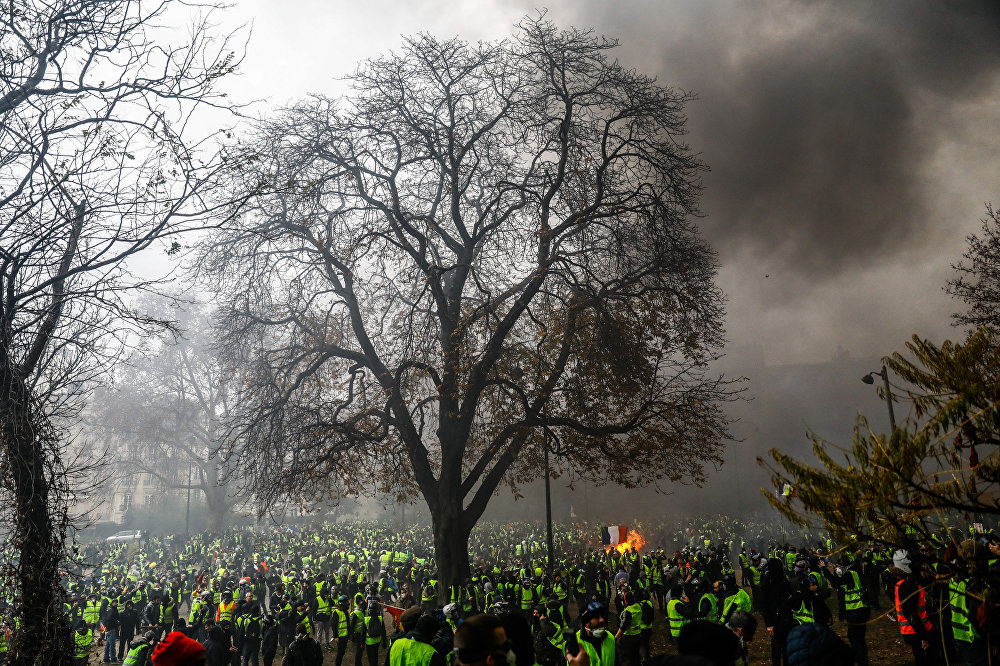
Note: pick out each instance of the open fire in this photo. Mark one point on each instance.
(633, 540)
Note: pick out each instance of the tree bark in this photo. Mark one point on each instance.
(41, 638)
(217, 506)
(451, 543)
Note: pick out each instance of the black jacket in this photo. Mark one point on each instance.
(775, 591)
(110, 619)
(269, 641)
(304, 651)
(128, 620)
(217, 648)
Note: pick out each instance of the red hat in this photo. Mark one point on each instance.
(178, 650)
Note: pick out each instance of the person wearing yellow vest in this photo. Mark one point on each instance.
(356, 622)
(413, 648)
(225, 610)
(629, 626)
(735, 599)
(857, 612)
(92, 611)
(910, 599)
(965, 597)
(805, 604)
(340, 627)
(679, 611)
(550, 639)
(83, 638)
(708, 603)
(168, 614)
(593, 637)
(593, 643)
(324, 611)
(374, 632)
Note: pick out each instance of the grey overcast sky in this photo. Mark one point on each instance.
(852, 143)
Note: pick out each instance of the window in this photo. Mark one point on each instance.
(126, 502)
(148, 500)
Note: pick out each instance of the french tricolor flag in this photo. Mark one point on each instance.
(615, 535)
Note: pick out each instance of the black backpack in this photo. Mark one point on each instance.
(251, 629)
(647, 612)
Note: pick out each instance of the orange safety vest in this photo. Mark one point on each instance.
(905, 627)
(225, 611)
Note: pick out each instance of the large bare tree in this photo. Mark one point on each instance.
(165, 413)
(482, 251)
(95, 168)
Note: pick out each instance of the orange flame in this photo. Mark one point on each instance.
(633, 540)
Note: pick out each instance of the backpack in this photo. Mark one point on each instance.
(647, 613)
(251, 629)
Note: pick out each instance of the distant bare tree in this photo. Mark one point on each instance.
(482, 249)
(978, 282)
(93, 170)
(167, 410)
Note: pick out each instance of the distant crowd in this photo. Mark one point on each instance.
(371, 591)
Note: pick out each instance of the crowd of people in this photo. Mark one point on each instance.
(369, 592)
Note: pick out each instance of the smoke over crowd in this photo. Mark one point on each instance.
(846, 148)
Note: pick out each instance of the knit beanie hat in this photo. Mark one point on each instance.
(178, 650)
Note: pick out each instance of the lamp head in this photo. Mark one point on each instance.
(868, 379)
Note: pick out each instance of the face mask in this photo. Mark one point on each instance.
(599, 633)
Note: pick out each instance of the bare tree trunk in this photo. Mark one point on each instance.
(451, 543)
(43, 638)
(217, 500)
(217, 506)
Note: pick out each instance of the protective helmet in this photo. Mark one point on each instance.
(901, 560)
(594, 609)
(451, 611)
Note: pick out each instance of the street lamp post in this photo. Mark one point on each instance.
(187, 511)
(548, 508)
(870, 379)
